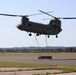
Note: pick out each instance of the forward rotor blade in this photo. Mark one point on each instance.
(40, 13)
(11, 15)
(22, 15)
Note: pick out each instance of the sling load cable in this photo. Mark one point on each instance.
(46, 43)
(36, 41)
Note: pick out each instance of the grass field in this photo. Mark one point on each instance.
(38, 66)
(56, 55)
(34, 66)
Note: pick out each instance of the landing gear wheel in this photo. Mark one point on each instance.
(48, 36)
(56, 36)
(37, 34)
(30, 34)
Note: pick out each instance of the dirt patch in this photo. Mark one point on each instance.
(2, 69)
(30, 72)
(15, 71)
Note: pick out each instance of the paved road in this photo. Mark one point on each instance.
(54, 61)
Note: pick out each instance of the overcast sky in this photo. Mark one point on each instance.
(10, 36)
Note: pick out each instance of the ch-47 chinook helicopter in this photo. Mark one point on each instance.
(52, 28)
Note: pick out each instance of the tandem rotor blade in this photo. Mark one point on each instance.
(56, 17)
(61, 18)
(40, 13)
(66, 17)
(22, 15)
(11, 15)
(48, 14)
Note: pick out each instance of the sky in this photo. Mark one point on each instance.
(10, 36)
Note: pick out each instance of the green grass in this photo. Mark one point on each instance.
(22, 64)
(67, 69)
(37, 66)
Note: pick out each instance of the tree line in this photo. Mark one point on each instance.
(24, 50)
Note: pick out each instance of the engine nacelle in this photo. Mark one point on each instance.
(24, 20)
(55, 22)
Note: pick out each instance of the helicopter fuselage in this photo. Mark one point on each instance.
(39, 28)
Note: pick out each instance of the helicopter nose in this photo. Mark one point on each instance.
(19, 26)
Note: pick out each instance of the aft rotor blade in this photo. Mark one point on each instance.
(66, 17)
(61, 18)
(11, 15)
(47, 14)
(46, 19)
